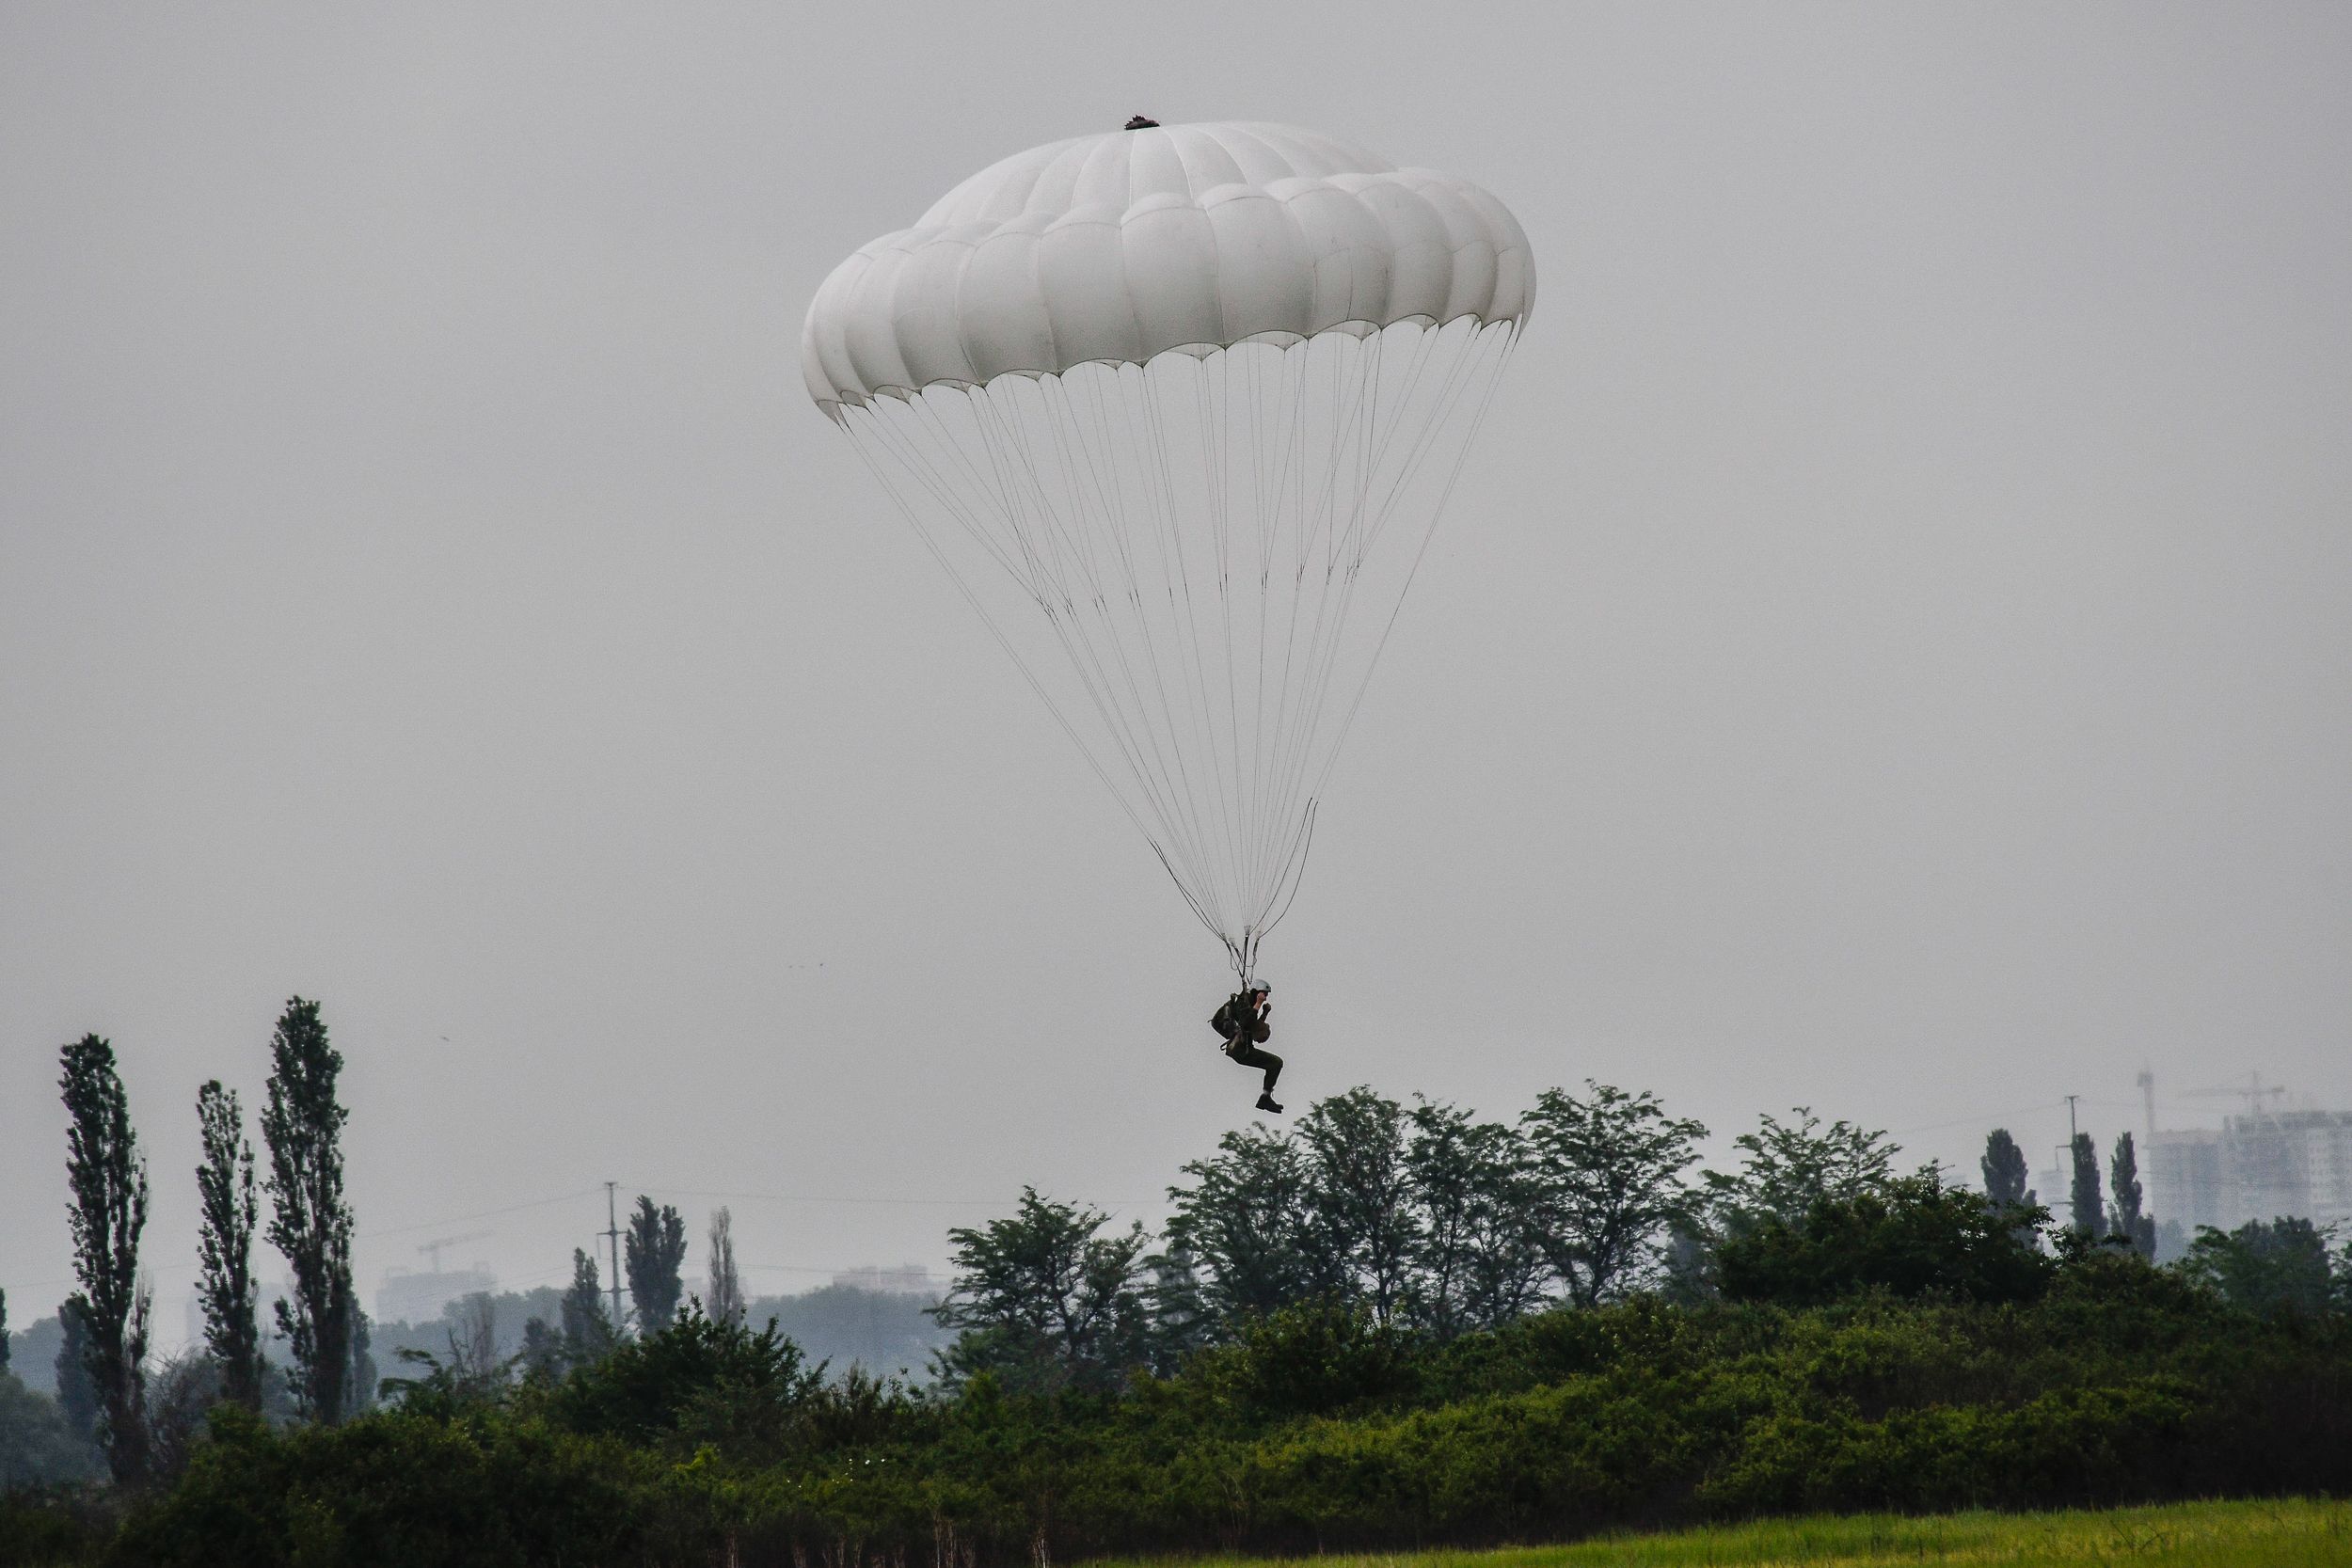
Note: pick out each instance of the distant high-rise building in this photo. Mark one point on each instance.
(2258, 1166)
(418, 1298)
(907, 1279)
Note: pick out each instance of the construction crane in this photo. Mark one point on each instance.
(2253, 1091)
(433, 1249)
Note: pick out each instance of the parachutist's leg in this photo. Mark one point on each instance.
(1249, 1055)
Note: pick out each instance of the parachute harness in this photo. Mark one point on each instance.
(1173, 552)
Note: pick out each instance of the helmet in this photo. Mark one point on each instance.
(1263, 988)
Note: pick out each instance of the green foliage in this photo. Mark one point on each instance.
(36, 1448)
(1242, 1219)
(2005, 1170)
(1046, 1300)
(1324, 1358)
(1478, 1263)
(107, 1177)
(654, 1257)
(1364, 1231)
(726, 1285)
(1787, 1167)
(2276, 1267)
(588, 1331)
(397, 1489)
(2124, 1217)
(77, 1392)
(1317, 1425)
(311, 1223)
(2088, 1206)
(54, 1527)
(228, 1213)
(700, 1380)
(1917, 1237)
(1606, 1184)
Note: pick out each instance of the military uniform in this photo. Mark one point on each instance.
(1244, 1028)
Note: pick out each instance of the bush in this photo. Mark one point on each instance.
(1916, 1238)
(396, 1489)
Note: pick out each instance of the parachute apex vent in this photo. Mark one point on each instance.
(1141, 122)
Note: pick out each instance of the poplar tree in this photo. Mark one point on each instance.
(587, 1326)
(2005, 1173)
(726, 1287)
(77, 1395)
(107, 1177)
(311, 1222)
(228, 1215)
(2089, 1207)
(655, 1255)
(2125, 1218)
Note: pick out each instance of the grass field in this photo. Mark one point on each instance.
(2290, 1534)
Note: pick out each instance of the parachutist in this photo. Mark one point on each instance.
(1242, 1024)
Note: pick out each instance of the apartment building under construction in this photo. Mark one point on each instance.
(2255, 1166)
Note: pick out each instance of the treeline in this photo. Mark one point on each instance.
(1393, 1326)
(109, 1404)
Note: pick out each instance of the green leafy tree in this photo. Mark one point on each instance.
(1912, 1237)
(1787, 1167)
(2278, 1266)
(542, 1358)
(1046, 1299)
(654, 1255)
(2089, 1208)
(1361, 1218)
(1181, 1323)
(311, 1223)
(1242, 1217)
(1607, 1184)
(588, 1334)
(1477, 1262)
(228, 1215)
(36, 1449)
(2124, 1217)
(698, 1381)
(107, 1177)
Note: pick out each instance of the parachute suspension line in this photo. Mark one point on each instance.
(1506, 335)
(1198, 712)
(1270, 766)
(1044, 696)
(1352, 434)
(1138, 510)
(1044, 592)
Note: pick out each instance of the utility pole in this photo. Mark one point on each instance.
(613, 1237)
(2066, 1157)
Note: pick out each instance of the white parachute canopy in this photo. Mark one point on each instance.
(1178, 407)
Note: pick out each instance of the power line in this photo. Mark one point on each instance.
(478, 1214)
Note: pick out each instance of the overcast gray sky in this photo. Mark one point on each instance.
(1894, 653)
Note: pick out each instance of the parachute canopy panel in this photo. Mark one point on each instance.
(1117, 249)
